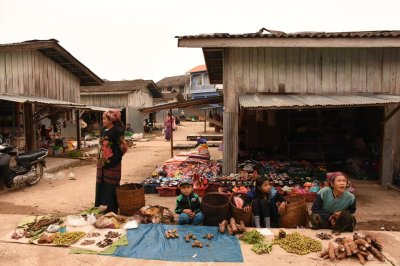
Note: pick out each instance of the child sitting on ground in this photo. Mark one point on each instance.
(188, 204)
(266, 203)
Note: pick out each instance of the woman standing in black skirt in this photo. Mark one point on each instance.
(112, 147)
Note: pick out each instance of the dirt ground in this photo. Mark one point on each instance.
(377, 207)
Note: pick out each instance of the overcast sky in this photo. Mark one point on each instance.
(135, 39)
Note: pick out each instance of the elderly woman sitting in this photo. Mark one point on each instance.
(334, 206)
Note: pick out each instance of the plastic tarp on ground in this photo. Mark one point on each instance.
(149, 242)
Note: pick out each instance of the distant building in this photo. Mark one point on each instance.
(175, 83)
(127, 95)
(199, 86)
(171, 97)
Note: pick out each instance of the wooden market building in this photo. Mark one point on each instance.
(39, 79)
(315, 82)
(126, 95)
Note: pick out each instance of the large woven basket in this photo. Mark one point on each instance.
(215, 207)
(130, 198)
(295, 214)
(240, 214)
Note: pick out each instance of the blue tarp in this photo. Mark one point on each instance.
(149, 242)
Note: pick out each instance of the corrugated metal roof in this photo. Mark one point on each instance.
(173, 81)
(308, 101)
(100, 109)
(105, 93)
(40, 100)
(124, 86)
(265, 33)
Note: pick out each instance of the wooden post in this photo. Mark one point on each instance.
(78, 130)
(230, 117)
(205, 121)
(172, 134)
(30, 132)
(390, 146)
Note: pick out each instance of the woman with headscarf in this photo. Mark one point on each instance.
(334, 206)
(112, 147)
(169, 125)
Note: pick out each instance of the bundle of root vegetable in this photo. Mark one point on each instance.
(38, 226)
(363, 248)
(232, 227)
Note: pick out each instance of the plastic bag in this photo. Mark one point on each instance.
(91, 218)
(53, 228)
(104, 222)
(239, 202)
(60, 175)
(74, 220)
(131, 225)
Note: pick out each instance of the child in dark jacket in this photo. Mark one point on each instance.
(188, 204)
(266, 203)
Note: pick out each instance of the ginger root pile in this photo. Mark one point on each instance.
(232, 227)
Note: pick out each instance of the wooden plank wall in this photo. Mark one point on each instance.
(33, 74)
(140, 99)
(108, 101)
(136, 100)
(314, 70)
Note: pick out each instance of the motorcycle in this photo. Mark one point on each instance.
(28, 169)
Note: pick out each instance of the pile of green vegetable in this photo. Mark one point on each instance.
(260, 245)
(298, 244)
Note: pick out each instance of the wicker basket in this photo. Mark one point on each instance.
(213, 187)
(295, 214)
(215, 207)
(130, 198)
(240, 214)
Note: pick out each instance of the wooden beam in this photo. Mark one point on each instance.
(185, 104)
(205, 117)
(390, 115)
(290, 42)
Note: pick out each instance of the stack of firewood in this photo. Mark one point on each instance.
(364, 248)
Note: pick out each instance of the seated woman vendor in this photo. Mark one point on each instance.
(188, 204)
(334, 206)
(266, 204)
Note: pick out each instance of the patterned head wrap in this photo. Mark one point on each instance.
(113, 115)
(330, 177)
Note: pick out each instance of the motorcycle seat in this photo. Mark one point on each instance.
(31, 155)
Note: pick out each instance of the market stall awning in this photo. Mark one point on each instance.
(298, 101)
(39, 100)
